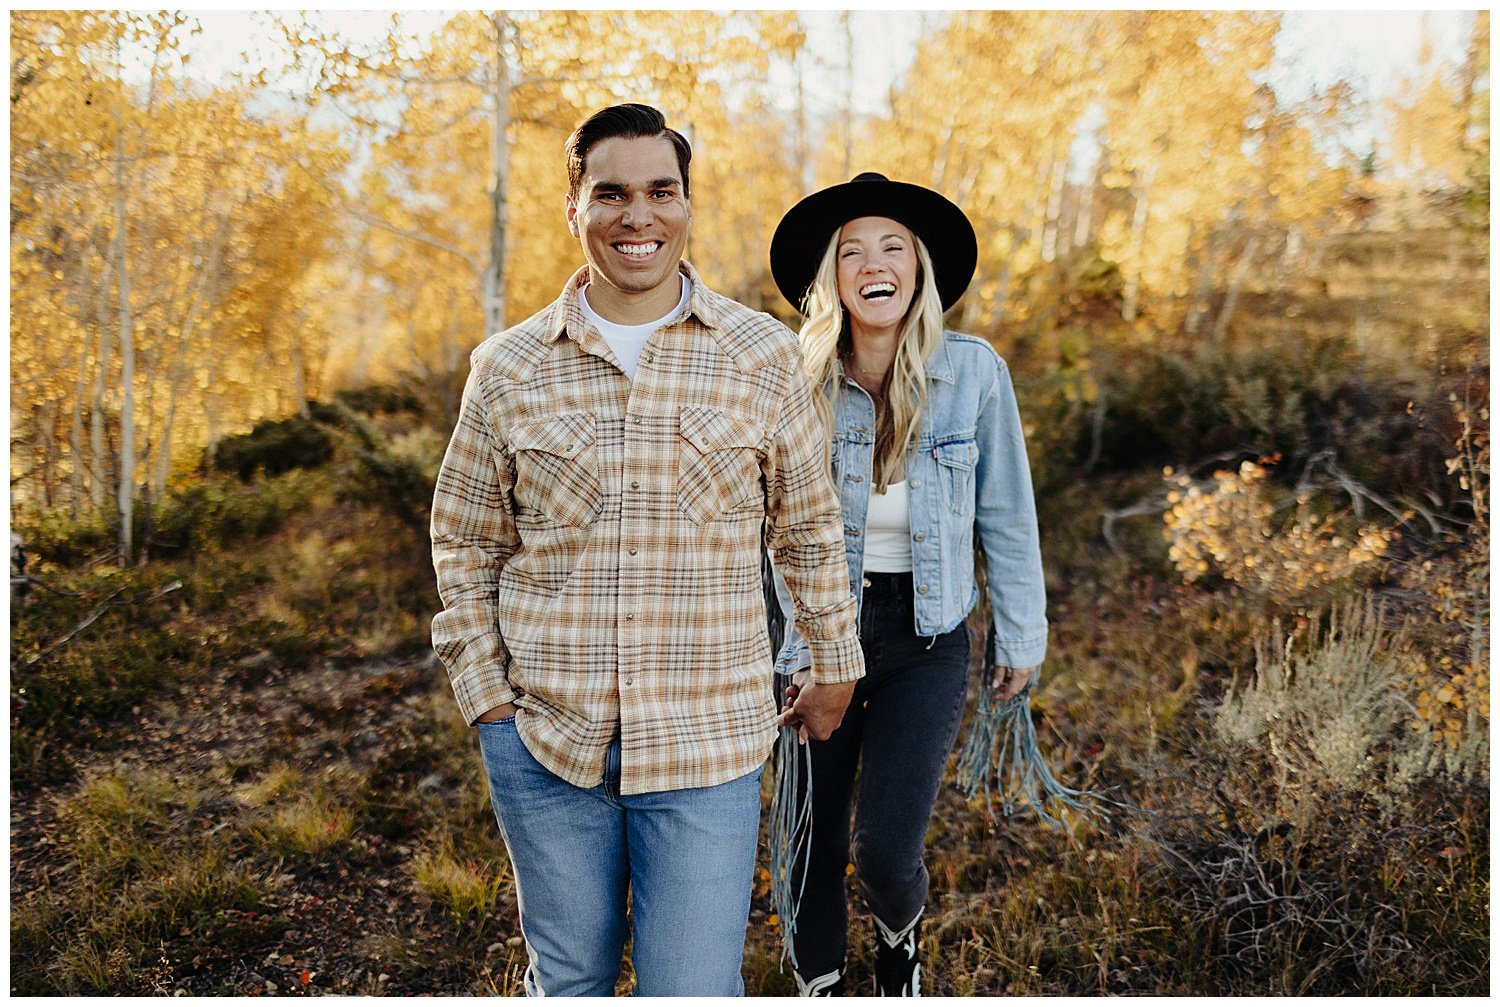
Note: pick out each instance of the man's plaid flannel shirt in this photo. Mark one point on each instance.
(598, 541)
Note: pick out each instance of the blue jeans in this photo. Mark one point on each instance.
(687, 858)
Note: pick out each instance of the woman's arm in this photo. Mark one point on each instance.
(1005, 522)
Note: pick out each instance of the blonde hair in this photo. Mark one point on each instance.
(825, 336)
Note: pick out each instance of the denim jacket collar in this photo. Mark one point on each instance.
(939, 365)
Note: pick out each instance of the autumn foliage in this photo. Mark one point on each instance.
(1249, 332)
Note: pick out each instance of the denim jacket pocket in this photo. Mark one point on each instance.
(955, 461)
(718, 464)
(557, 468)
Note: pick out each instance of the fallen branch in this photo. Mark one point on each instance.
(31, 579)
(98, 611)
(1155, 504)
(1358, 493)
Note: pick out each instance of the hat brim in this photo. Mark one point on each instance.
(802, 237)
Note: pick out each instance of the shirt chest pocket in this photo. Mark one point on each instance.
(955, 466)
(557, 468)
(718, 464)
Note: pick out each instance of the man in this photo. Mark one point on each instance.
(620, 461)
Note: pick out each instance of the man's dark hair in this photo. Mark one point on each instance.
(629, 120)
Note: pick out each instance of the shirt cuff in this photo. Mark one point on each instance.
(481, 690)
(835, 661)
(1020, 653)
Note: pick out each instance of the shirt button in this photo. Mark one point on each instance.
(631, 550)
(634, 484)
(636, 420)
(630, 616)
(915, 483)
(922, 589)
(630, 681)
(866, 581)
(648, 357)
(920, 536)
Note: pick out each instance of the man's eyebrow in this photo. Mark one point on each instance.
(656, 183)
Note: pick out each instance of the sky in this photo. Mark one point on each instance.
(1372, 49)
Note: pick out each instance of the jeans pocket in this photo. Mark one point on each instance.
(497, 742)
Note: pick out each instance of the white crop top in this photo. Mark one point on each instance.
(888, 530)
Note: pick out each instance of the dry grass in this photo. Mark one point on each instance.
(139, 871)
(464, 889)
(1311, 795)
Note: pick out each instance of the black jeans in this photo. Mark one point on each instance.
(897, 733)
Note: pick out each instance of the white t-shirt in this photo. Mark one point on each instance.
(629, 340)
(888, 530)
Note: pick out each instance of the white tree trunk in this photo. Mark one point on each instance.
(494, 276)
(1236, 286)
(1083, 229)
(1052, 224)
(98, 459)
(1203, 288)
(126, 486)
(848, 96)
(1137, 245)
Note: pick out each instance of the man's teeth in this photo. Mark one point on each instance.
(874, 290)
(645, 249)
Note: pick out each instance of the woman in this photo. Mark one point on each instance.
(927, 453)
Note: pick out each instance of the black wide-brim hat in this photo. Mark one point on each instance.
(802, 237)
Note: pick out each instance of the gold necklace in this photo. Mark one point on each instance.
(861, 372)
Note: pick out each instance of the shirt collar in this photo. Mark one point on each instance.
(567, 315)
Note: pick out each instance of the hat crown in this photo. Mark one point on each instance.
(800, 241)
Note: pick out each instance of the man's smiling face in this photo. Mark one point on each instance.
(632, 218)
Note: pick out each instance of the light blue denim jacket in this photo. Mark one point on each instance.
(969, 474)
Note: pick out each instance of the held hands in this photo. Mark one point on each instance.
(1008, 682)
(814, 709)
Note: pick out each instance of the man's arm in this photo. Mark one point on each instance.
(805, 533)
(473, 535)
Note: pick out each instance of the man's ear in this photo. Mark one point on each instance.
(572, 212)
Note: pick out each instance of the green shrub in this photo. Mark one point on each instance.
(396, 475)
(373, 400)
(273, 447)
(63, 539)
(1328, 707)
(1162, 407)
(194, 516)
(211, 513)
